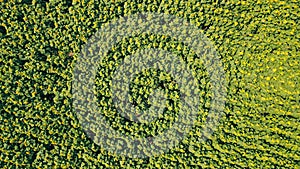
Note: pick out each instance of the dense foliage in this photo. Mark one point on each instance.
(258, 43)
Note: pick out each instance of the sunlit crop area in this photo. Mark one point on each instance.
(258, 45)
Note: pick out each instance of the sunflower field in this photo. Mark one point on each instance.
(258, 44)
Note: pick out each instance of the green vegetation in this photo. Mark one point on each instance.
(258, 44)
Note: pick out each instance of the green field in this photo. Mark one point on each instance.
(258, 45)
